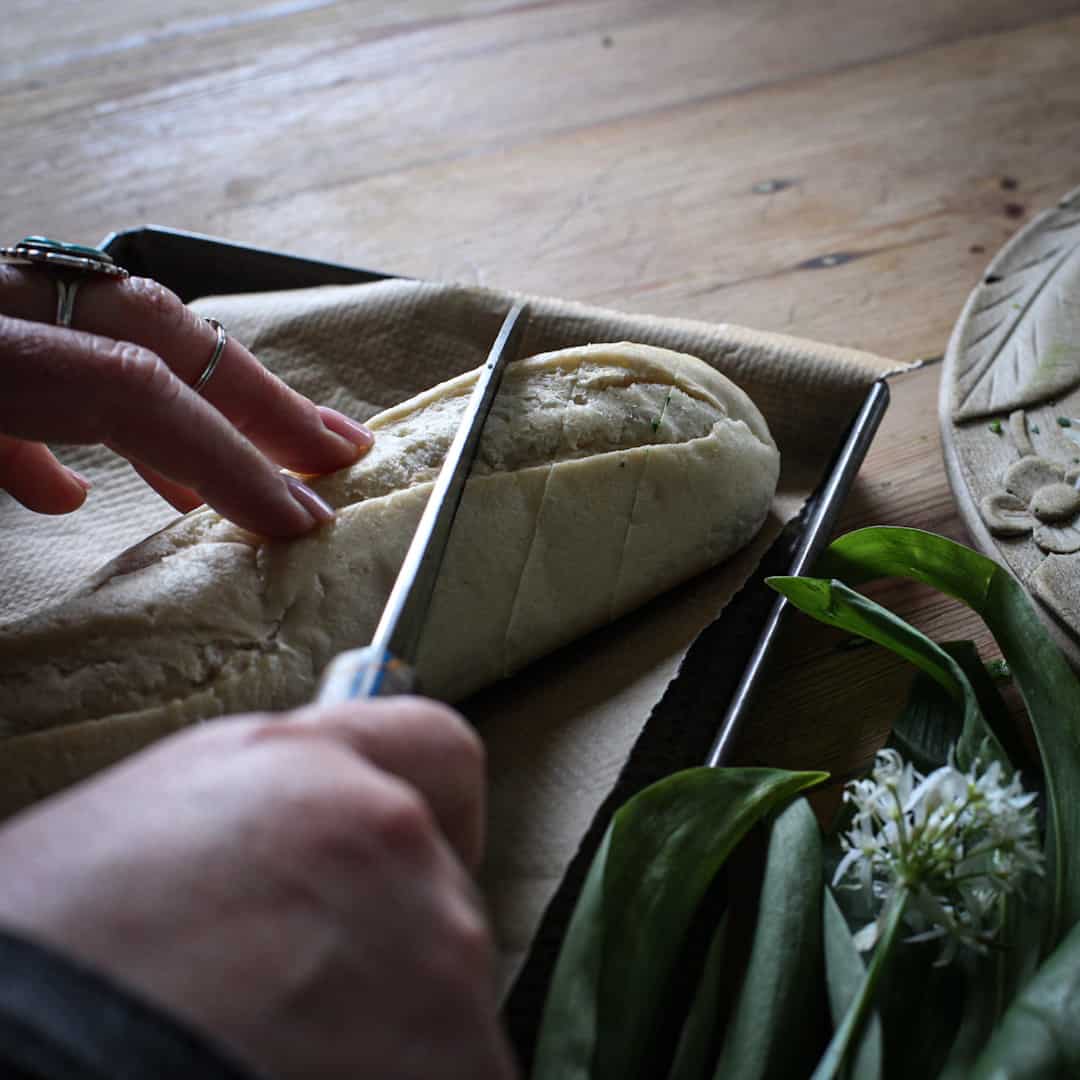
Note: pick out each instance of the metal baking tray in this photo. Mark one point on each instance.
(724, 665)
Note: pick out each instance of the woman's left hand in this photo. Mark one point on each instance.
(122, 376)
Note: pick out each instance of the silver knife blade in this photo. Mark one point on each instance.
(386, 665)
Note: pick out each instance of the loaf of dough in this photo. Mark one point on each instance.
(606, 474)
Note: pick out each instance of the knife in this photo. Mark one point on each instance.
(386, 666)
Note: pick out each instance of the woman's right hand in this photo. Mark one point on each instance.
(295, 887)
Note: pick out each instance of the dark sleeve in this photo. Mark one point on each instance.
(60, 1020)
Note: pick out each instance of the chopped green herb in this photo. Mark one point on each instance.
(998, 669)
(1064, 421)
(657, 422)
(1035, 428)
(995, 426)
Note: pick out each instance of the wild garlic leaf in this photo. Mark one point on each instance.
(782, 988)
(664, 847)
(1039, 1034)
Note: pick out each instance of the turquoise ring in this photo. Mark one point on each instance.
(67, 259)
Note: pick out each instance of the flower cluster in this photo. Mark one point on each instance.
(954, 843)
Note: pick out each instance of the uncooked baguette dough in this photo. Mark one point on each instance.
(606, 475)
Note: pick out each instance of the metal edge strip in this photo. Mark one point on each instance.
(815, 536)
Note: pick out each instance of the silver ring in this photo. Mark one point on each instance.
(215, 356)
(66, 288)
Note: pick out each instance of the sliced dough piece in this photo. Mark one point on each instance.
(607, 474)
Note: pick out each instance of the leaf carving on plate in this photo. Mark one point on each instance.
(1021, 342)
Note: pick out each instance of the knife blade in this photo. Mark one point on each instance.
(386, 665)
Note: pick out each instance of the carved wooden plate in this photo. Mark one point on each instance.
(1010, 413)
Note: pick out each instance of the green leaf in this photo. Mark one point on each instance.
(662, 850)
(771, 1033)
(834, 604)
(567, 1037)
(860, 1010)
(696, 1048)
(973, 1026)
(919, 995)
(991, 982)
(844, 974)
(1039, 1035)
(994, 710)
(1049, 687)
(931, 722)
(929, 725)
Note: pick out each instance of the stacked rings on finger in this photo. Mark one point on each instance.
(215, 356)
(69, 261)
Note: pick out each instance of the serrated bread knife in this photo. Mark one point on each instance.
(386, 666)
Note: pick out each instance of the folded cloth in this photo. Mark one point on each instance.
(557, 734)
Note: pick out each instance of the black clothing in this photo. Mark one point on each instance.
(60, 1020)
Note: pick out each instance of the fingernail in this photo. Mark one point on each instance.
(342, 425)
(313, 503)
(79, 478)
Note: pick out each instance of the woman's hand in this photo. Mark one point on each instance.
(122, 377)
(294, 887)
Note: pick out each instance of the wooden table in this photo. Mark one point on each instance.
(841, 170)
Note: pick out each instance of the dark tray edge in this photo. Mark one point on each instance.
(193, 265)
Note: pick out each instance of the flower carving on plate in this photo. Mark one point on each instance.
(1041, 497)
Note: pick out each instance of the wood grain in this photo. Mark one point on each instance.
(842, 171)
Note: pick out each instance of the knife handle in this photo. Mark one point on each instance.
(364, 673)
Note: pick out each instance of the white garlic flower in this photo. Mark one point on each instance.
(956, 843)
